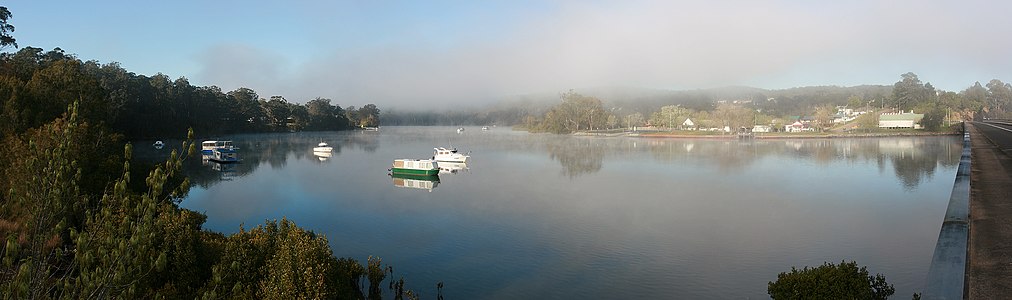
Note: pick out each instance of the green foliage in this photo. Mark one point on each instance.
(366, 116)
(575, 113)
(830, 281)
(42, 202)
(670, 116)
(36, 85)
(867, 121)
(632, 120)
(6, 28)
(855, 101)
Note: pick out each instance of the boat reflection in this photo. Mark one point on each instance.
(451, 167)
(227, 171)
(421, 182)
(323, 155)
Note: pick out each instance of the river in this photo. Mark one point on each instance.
(541, 216)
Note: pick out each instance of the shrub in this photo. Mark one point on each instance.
(829, 281)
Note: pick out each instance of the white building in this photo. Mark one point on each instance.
(900, 120)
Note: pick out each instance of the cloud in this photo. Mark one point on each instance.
(663, 44)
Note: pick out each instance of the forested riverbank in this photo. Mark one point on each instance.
(80, 220)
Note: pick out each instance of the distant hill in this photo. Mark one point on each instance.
(510, 110)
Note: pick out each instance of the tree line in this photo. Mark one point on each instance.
(36, 86)
(577, 112)
(79, 220)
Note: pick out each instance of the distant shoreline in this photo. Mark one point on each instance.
(769, 136)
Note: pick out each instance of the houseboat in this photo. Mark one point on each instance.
(426, 167)
(219, 151)
(207, 147)
(448, 155)
(223, 155)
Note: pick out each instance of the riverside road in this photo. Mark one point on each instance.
(989, 249)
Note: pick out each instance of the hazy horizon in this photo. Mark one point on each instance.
(445, 54)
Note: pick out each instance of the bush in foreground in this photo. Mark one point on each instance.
(830, 281)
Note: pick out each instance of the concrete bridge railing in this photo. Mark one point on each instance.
(948, 265)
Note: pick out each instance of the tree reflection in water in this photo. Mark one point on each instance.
(913, 159)
(578, 156)
(256, 150)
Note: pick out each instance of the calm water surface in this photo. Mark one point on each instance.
(536, 216)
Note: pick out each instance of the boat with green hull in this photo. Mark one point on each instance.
(418, 167)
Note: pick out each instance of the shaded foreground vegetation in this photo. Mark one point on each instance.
(831, 281)
(67, 239)
(78, 223)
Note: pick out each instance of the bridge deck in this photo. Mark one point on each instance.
(989, 270)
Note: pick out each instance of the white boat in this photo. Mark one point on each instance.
(323, 147)
(460, 130)
(206, 147)
(219, 151)
(484, 128)
(448, 155)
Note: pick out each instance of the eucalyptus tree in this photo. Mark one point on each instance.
(909, 91)
(6, 29)
(635, 119)
(999, 96)
(576, 112)
(670, 116)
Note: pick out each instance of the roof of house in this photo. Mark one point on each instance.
(900, 117)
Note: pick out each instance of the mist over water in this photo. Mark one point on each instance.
(562, 217)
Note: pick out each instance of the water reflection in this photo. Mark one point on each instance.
(452, 167)
(415, 181)
(226, 171)
(256, 150)
(323, 155)
(578, 156)
(540, 216)
(913, 159)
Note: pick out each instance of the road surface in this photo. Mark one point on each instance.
(989, 252)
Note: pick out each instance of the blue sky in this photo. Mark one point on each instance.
(448, 53)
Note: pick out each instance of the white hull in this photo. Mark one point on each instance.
(459, 158)
(448, 155)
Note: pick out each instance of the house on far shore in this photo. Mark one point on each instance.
(900, 120)
(761, 128)
(688, 124)
(798, 126)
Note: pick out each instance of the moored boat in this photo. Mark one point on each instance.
(426, 167)
(207, 147)
(448, 155)
(219, 151)
(224, 155)
(323, 147)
